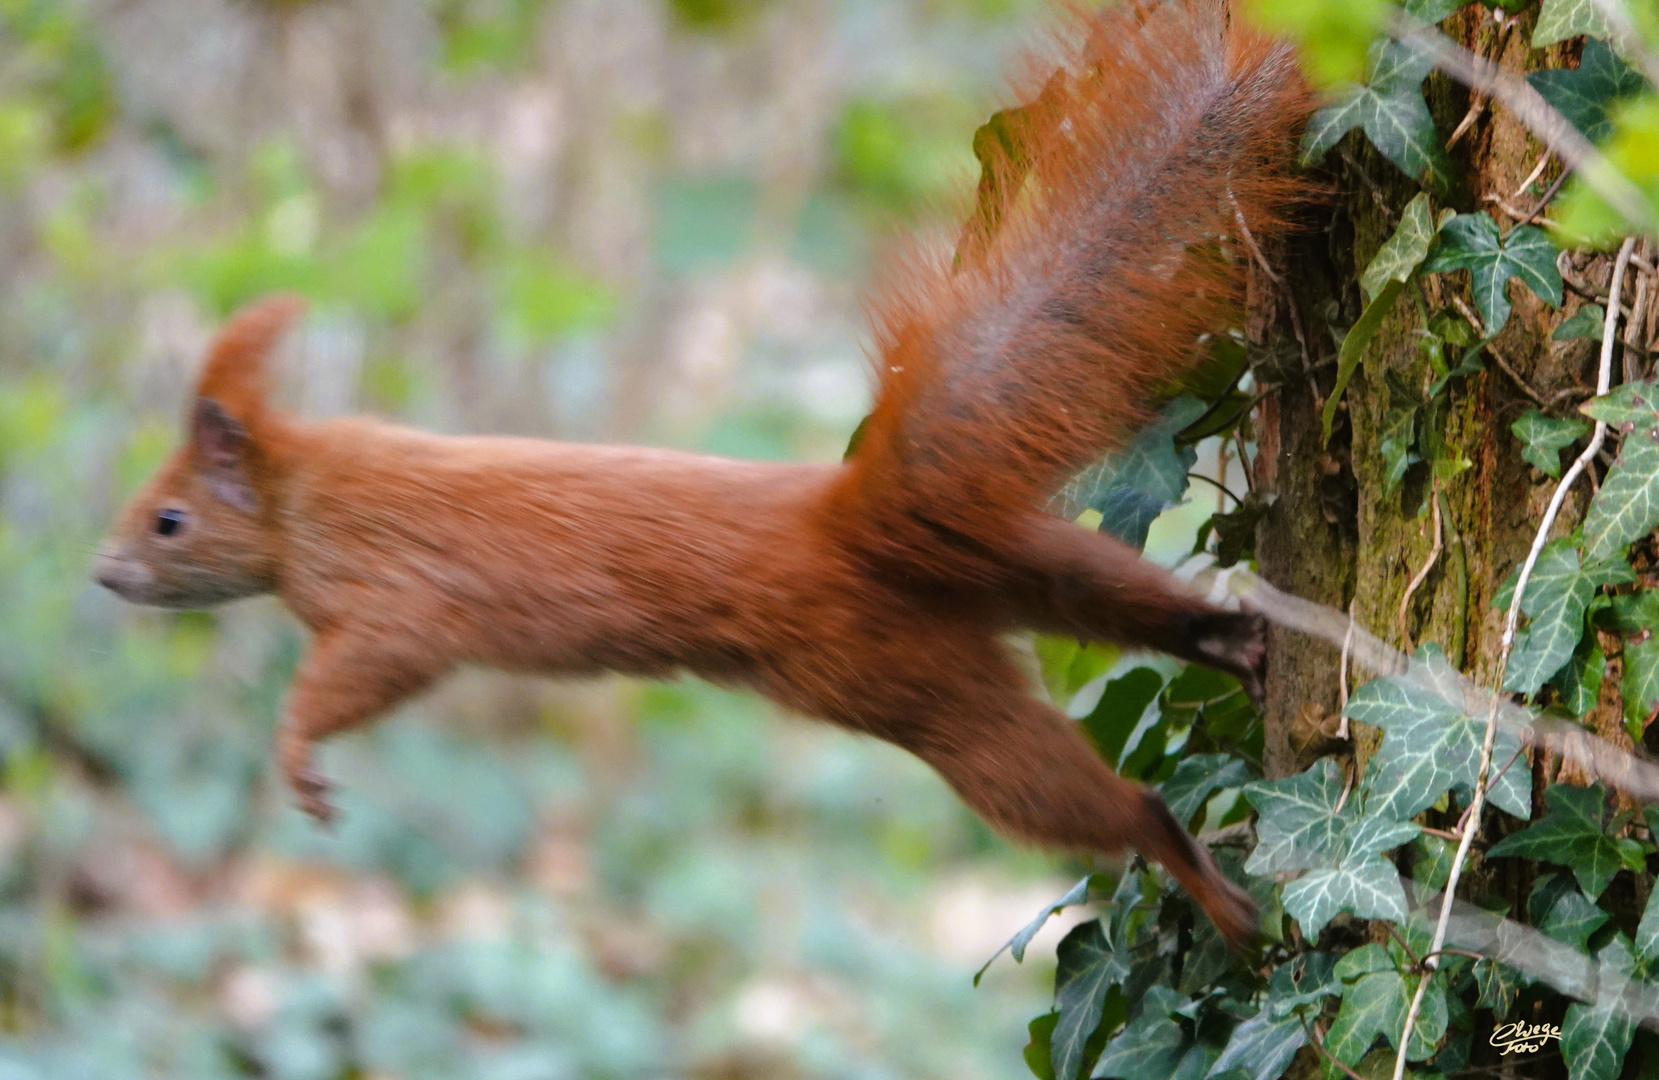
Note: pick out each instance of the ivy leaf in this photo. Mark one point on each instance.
(1135, 485)
(1432, 858)
(1558, 595)
(1429, 746)
(1123, 704)
(1088, 967)
(1571, 835)
(1585, 94)
(1579, 683)
(1077, 894)
(1543, 438)
(1627, 506)
(1471, 242)
(1647, 933)
(1559, 910)
(1149, 1047)
(1376, 1004)
(1639, 686)
(1433, 11)
(1299, 827)
(1198, 777)
(1498, 986)
(1404, 251)
(1391, 110)
(1397, 438)
(1353, 348)
(1361, 883)
(1594, 1038)
(1262, 1046)
(1301, 981)
(1588, 322)
(1559, 20)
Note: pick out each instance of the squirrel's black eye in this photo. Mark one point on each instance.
(169, 522)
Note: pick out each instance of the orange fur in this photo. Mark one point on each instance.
(870, 594)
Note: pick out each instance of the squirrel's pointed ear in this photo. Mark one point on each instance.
(223, 450)
(234, 375)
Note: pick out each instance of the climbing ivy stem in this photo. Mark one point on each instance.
(1472, 817)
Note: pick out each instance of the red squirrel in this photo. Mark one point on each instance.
(871, 593)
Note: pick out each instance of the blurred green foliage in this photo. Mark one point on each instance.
(527, 883)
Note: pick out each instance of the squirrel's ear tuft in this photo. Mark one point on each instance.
(222, 450)
(234, 375)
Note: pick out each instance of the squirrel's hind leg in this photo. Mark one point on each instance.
(345, 679)
(1072, 581)
(1024, 768)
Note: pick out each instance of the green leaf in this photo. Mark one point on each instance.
(1088, 967)
(1498, 986)
(1299, 826)
(1302, 981)
(1198, 777)
(1627, 506)
(1376, 1004)
(1595, 1038)
(1543, 438)
(1149, 1047)
(1391, 110)
(1122, 706)
(1471, 242)
(1639, 686)
(1587, 323)
(1558, 595)
(1353, 348)
(1579, 683)
(1432, 858)
(1585, 94)
(1559, 20)
(1077, 894)
(1038, 1053)
(1397, 437)
(1132, 487)
(1570, 835)
(1560, 911)
(1360, 883)
(1647, 933)
(1405, 250)
(1429, 746)
(1261, 1046)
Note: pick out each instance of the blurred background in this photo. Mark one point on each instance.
(619, 220)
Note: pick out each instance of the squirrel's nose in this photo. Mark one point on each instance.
(114, 573)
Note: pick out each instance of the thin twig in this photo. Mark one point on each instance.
(1244, 459)
(1218, 485)
(1468, 312)
(1422, 575)
(1342, 673)
(1530, 108)
(1319, 1044)
(1250, 241)
(1603, 381)
(1467, 122)
(1537, 171)
(1521, 217)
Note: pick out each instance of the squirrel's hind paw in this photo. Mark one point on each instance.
(311, 790)
(1237, 644)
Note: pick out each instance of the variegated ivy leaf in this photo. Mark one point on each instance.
(1585, 94)
(1405, 250)
(1579, 683)
(1571, 835)
(1498, 986)
(1199, 776)
(1561, 911)
(1262, 1046)
(1558, 594)
(1544, 437)
(1077, 894)
(1151, 1046)
(1391, 110)
(1471, 242)
(1089, 964)
(1361, 883)
(1375, 1004)
(1559, 20)
(1300, 826)
(1596, 1038)
(1429, 746)
(1627, 506)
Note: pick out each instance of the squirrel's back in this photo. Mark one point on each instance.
(1113, 243)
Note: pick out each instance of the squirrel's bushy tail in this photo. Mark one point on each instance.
(1087, 287)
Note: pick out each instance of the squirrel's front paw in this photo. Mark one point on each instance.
(311, 790)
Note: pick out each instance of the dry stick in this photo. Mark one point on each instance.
(1422, 575)
(1342, 674)
(1537, 171)
(1468, 312)
(1250, 241)
(1530, 108)
(1582, 462)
